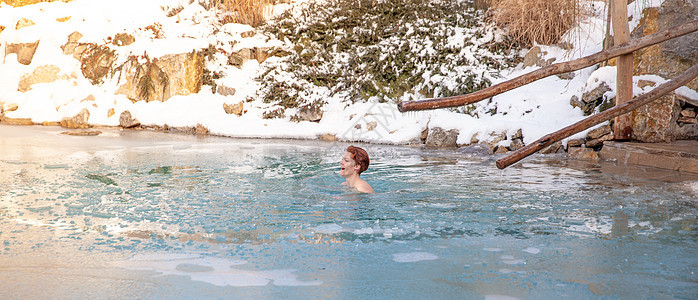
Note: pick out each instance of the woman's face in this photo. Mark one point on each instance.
(349, 166)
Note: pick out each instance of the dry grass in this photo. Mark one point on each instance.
(18, 3)
(536, 21)
(249, 12)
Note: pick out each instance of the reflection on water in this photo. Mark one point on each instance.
(195, 208)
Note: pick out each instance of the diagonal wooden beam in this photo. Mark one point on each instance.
(553, 69)
(606, 115)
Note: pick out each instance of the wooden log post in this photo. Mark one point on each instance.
(606, 115)
(622, 127)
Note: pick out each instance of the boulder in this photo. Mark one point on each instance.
(24, 22)
(440, 138)
(593, 143)
(127, 121)
(496, 138)
(516, 144)
(80, 120)
(42, 74)
(16, 121)
(69, 47)
(576, 143)
(370, 126)
(599, 132)
(593, 95)
(161, 78)
(224, 90)
(312, 113)
(584, 154)
(233, 109)
(25, 51)
(673, 57)
(552, 148)
(201, 130)
(656, 121)
(328, 137)
(123, 39)
(534, 57)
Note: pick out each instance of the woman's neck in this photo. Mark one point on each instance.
(352, 180)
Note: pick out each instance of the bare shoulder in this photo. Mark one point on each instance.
(364, 187)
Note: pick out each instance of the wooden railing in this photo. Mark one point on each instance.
(620, 109)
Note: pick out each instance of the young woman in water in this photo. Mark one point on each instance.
(354, 161)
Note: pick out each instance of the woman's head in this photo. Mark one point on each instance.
(360, 157)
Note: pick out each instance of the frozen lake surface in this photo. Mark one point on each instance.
(130, 214)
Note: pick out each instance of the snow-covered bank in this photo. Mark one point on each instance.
(536, 109)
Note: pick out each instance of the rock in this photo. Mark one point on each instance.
(599, 141)
(96, 62)
(50, 123)
(687, 120)
(247, 34)
(123, 39)
(63, 19)
(127, 121)
(370, 126)
(261, 54)
(655, 122)
(79, 120)
(2, 28)
(576, 143)
(496, 138)
(576, 102)
(246, 54)
(594, 92)
(584, 154)
(16, 121)
(225, 91)
(552, 148)
(516, 144)
(162, 78)
(69, 47)
(201, 130)
(328, 137)
(688, 113)
(440, 138)
(424, 135)
(82, 132)
(25, 51)
(110, 112)
(599, 132)
(534, 57)
(501, 149)
(24, 22)
(234, 109)
(312, 113)
(645, 83)
(673, 57)
(566, 76)
(518, 135)
(235, 60)
(42, 74)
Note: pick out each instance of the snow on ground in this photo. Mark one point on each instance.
(537, 109)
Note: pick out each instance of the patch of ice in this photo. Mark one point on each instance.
(413, 257)
(329, 228)
(531, 250)
(492, 249)
(216, 271)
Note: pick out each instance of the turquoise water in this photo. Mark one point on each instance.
(151, 215)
